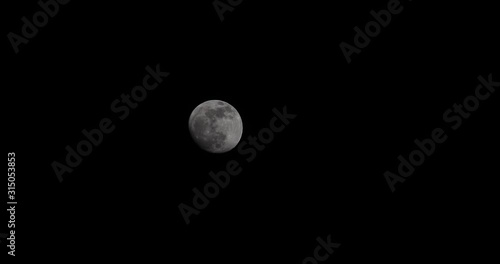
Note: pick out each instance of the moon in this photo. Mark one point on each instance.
(215, 126)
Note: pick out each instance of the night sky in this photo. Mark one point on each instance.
(325, 174)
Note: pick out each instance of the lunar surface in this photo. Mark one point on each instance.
(215, 126)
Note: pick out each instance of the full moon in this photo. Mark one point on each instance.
(215, 126)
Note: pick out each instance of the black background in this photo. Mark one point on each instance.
(323, 175)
